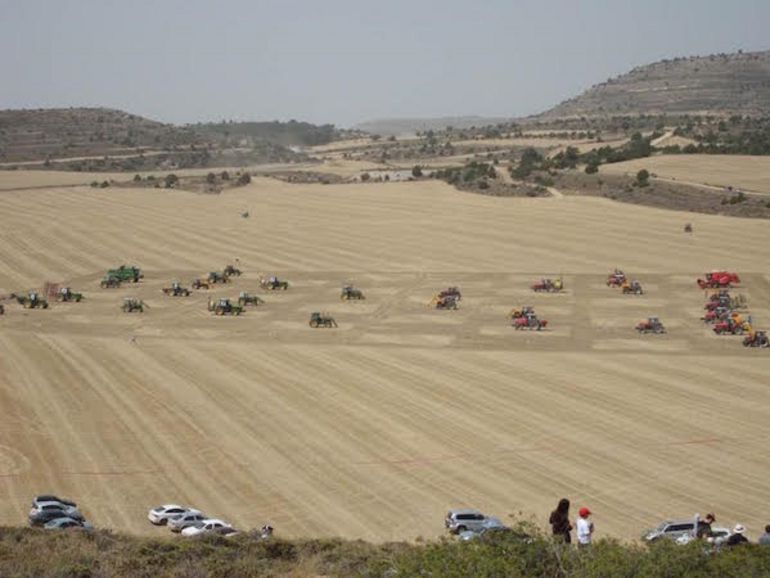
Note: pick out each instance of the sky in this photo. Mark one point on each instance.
(347, 61)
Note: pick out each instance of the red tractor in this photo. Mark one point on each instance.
(732, 326)
(651, 325)
(718, 314)
(453, 292)
(549, 286)
(530, 322)
(719, 280)
(616, 279)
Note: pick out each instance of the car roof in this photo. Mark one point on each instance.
(169, 506)
(214, 520)
(56, 503)
(459, 511)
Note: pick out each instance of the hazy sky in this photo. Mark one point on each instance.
(345, 61)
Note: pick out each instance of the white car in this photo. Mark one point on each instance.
(39, 507)
(162, 514)
(179, 523)
(205, 527)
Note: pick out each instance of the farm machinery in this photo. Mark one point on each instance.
(719, 280)
(215, 277)
(223, 306)
(756, 339)
(651, 325)
(616, 278)
(529, 321)
(724, 299)
(733, 325)
(549, 286)
(318, 319)
(273, 284)
(126, 273)
(231, 271)
(176, 290)
(67, 295)
(517, 313)
(248, 299)
(32, 300)
(200, 283)
(350, 293)
(132, 304)
(632, 287)
(444, 302)
(110, 282)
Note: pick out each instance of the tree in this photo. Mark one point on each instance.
(365, 177)
(171, 180)
(244, 179)
(416, 171)
(592, 168)
(643, 178)
(225, 176)
(137, 178)
(211, 178)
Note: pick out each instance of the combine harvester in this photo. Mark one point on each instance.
(126, 273)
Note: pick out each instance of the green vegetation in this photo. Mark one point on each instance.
(104, 554)
(473, 171)
(643, 178)
(281, 133)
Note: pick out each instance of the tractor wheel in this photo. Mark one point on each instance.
(314, 324)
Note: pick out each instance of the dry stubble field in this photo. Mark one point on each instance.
(373, 430)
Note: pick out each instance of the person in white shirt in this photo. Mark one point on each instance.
(585, 528)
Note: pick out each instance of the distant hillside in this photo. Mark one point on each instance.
(408, 126)
(717, 84)
(292, 133)
(73, 132)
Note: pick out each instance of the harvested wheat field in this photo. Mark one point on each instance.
(750, 173)
(373, 430)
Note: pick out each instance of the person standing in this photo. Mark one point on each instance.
(559, 520)
(704, 526)
(585, 528)
(764, 539)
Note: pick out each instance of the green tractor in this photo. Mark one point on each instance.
(31, 301)
(248, 299)
(131, 304)
(67, 295)
(217, 277)
(126, 273)
(318, 319)
(223, 306)
(110, 282)
(231, 271)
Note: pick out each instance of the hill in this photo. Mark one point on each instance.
(407, 126)
(724, 84)
(28, 135)
(291, 133)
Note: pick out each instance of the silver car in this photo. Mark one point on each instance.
(461, 520)
(488, 525)
(184, 521)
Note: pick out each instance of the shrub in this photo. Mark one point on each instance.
(211, 178)
(171, 180)
(416, 171)
(137, 178)
(643, 178)
(592, 168)
(244, 179)
(365, 177)
(225, 176)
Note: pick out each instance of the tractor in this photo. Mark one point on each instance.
(321, 320)
(223, 306)
(248, 299)
(217, 277)
(734, 325)
(231, 271)
(529, 321)
(131, 304)
(31, 301)
(200, 283)
(67, 295)
(651, 325)
(719, 280)
(616, 279)
(688, 228)
(453, 292)
(633, 287)
(126, 273)
(521, 312)
(273, 284)
(350, 293)
(176, 290)
(718, 314)
(110, 282)
(756, 339)
(440, 301)
(549, 286)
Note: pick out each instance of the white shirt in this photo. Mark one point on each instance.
(584, 529)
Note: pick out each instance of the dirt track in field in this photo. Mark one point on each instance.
(374, 429)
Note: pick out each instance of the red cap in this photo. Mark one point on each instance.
(584, 512)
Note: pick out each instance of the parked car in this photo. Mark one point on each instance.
(42, 517)
(460, 520)
(488, 525)
(185, 520)
(682, 531)
(52, 506)
(226, 531)
(51, 498)
(67, 522)
(205, 526)
(162, 514)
